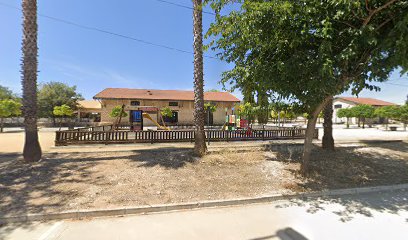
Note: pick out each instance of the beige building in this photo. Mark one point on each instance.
(152, 101)
(89, 110)
(348, 102)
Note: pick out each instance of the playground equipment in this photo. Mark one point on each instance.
(146, 115)
(233, 122)
(136, 120)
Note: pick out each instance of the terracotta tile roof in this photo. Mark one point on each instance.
(89, 104)
(154, 94)
(368, 101)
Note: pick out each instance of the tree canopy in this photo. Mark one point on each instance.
(311, 50)
(117, 112)
(210, 107)
(387, 112)
(63, 111)
(403, 115)
(166, 112)
(56, 94)
(9, 108)
(6, 93)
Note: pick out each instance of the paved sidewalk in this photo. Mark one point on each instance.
(381, 215)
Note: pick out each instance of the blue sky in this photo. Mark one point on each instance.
(93, 61)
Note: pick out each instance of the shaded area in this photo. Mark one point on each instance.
(350, 206)
(350, 165)
(72, 181)
(283, 234)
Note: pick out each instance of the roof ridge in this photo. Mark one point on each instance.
(161, 94)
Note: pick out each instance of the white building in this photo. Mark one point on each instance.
(348, 102)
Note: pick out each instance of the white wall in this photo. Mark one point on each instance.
(343, 105)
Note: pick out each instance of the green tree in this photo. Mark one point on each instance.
(166, 112)
(118, 112)
(403, 115)
(279, 109)
(247, 110)
(6, 93)
(56, 94)
(345, 113)
(388, 112)
(363, 112)
(213, 90)
(311, 51)
(63, 111)
(29, 68)
(209, 108)
(8, 108)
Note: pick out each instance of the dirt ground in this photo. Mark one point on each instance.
(70, 181)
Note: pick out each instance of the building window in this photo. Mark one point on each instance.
(173, 104)
(337, 106)
(134, 103)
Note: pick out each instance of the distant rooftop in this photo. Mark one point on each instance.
(368, 101)
(155, 94)
(89, 104)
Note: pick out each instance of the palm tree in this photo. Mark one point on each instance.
(200, 147)
(32, 149)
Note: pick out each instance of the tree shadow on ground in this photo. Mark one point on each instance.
(371, 164)
(31, 188)
(283, 234)
(395, 145)
(350, 206)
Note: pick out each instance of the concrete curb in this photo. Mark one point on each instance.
(81, 214)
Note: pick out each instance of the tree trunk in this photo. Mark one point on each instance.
(32, 150)
(327, 140)
(1, 124)
(200, 147)
(311, 125)
(348, 123)
(263, 113)
(363, 123)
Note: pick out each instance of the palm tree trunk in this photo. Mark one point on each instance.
(32, 149)
(200, 147)
(327, 140)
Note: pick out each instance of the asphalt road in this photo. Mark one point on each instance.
(381, 215)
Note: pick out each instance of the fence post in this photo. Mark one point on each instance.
(263, 132)
(152, 136)
(107, 134)
(57, 137)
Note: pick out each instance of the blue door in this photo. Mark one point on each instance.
(137, 116)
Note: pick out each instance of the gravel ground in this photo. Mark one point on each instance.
(157, 176)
